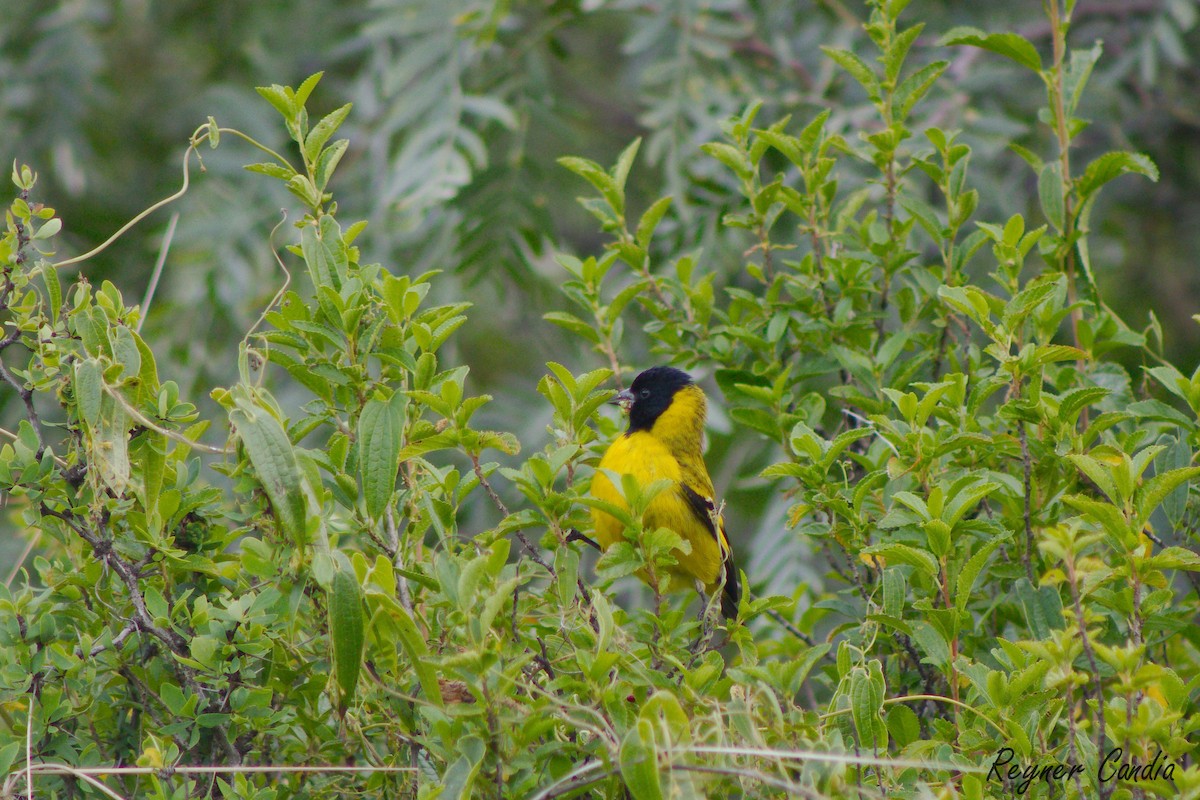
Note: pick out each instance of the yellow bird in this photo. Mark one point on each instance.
(664, 441)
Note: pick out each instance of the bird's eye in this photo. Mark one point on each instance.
(644, 394)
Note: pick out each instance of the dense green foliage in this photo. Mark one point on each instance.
(986, 476)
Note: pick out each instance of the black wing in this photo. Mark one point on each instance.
(704, 509)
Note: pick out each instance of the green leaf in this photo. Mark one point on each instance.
(1122, 536)
(807, 140)
(1029, 298)
(759, 420)
(962, 502)
(894, 591)
(125, 352)
(89, 391)
(346, 628)
(1050, 193)
(896, 553)
(663, 707)
(1050, 353)
(1155, 490)
(1009, 45)
(1175, 558)
(147, 370)
(1074, 401)
(321, 132)
(970, 301)
(594, 174)
(866, 703)
(913, 88)
(1174, 381)
(650, 219)
(611, 186)
(92, 328)
(624, 164)
(428, 444)
(310, 83)
(53, 290)
(153, 460)
(1077, 74)
(619, 560)
(903, 725)
(923, 213)
(1161, 412)
(573, 324)
(970, 571)
(893, 58)
(503, 441)
(638, 762)
(110, 446)
(324, 253)
(459, 780)
(327, 163)
(1098, 474)
(622, 298)
(380, 434)
(1042, 606)
(857, 68)
(277, 97)
(910, 500)
(274, 461)
(931, 641)
(8, 754)
(272, 170)
(414, 647)
(731, 157)
(1112, 165)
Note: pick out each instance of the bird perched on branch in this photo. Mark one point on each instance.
(665, 441)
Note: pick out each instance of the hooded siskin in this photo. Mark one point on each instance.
(665, 440)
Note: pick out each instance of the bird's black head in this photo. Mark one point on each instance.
(651, 395)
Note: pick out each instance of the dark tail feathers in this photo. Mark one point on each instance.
(731, 592)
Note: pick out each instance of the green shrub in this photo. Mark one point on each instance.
(1003, 508)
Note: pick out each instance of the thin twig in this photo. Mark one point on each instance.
(394, 541)
(104, 551)
(793, 789)
(142, 619)
(790, 628)
(163, 249)
(1027, 557)
(576, 779)
(100, 248)
(25, 394)
(1086, 641)
(528, 545)
(146, 422)
(1072, 737)
(61, 462)
(29, 749)
(50, 768)
(33, 540)
(117, 640)
(287, 279)
(924, 698)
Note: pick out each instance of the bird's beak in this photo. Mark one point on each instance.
(624, 399)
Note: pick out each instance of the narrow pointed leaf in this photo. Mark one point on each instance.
(380, 434)
(346, 629)
(274, 462)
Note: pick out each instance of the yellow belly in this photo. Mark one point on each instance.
(646, 459)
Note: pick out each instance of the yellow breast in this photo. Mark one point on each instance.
(646, 458)
(641, 456)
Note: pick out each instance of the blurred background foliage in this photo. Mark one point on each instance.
(461, 110)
